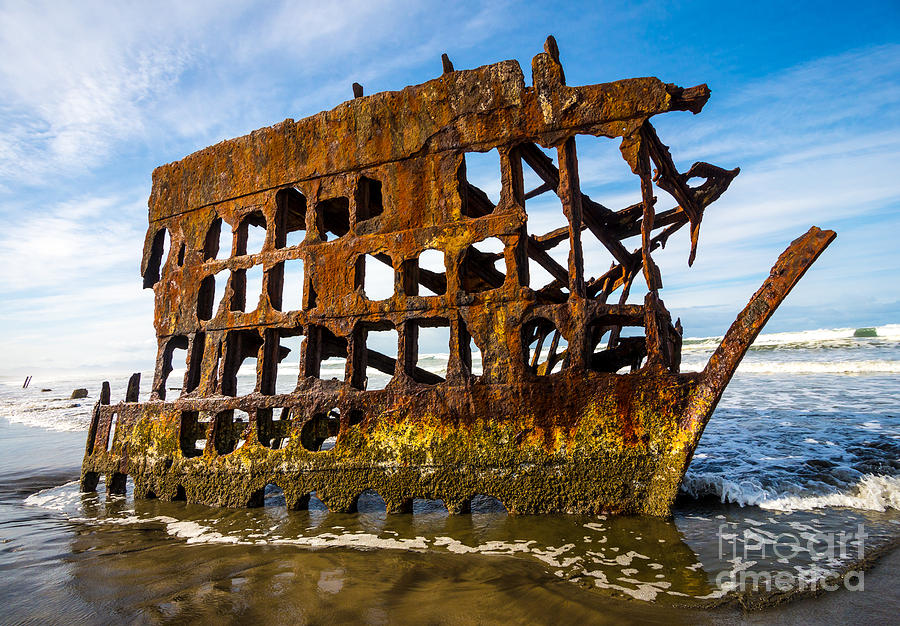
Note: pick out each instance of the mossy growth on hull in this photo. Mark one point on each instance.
(260, 250)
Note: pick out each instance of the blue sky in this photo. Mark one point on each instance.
(806, 100)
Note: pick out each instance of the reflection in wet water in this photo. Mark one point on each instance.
(168, 581)
(671, 562)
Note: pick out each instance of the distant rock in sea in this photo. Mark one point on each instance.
(79, 393)
(865, 332)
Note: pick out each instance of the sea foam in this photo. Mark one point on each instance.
(870, 493)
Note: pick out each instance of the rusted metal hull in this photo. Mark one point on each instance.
(549, 425)
(575, 442)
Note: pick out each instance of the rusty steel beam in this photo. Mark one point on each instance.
(785, 274)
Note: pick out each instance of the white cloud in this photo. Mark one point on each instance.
(823, 102)
(73, 243)
(85, 84)
(817, 145)
(91, 79)
(79, 81)
(70, 285)
(90, 83)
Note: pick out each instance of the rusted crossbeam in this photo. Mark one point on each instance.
(432, 280)
(540, 189)
(668, 178)
(478, 203)
(717, 181)
(537, 252)
(593, 213)
(380, 361)
(481, 266)
(628, 351)
(551, 239)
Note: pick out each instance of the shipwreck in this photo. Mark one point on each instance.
(579, 405)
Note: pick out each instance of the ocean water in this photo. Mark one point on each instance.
(797, 476)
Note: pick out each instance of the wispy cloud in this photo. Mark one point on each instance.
(93, 95)
(818, 102)
(81, 78)
(817, 145)
(60, 247)
(70, 284)
(99, 77)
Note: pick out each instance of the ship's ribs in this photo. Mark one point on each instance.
(561, 389)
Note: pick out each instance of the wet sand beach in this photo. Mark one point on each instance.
(86, 558)
(799, 453)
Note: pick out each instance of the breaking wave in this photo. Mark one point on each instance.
(870, 493)
(820, 338)
(833, 351)
(751, 366)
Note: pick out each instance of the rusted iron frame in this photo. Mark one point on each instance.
(432, 280)
(668, 178)
(543, 166)
(717, 181)
(537, 191)
(553, 238)
(539, 333)
(537, 252)
(536, 357)
(355, 369)
(410, 349)
(629, 351)
(478, 201)
(569, 192)
(580, 212)
(553, 357)
(618, 275)
(651, 271)
(627, 281)
(481, 264)
(534, 249)
(790, 267)
(658, 325)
